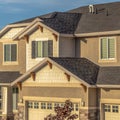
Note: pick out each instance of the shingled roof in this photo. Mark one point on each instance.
(8, 77)
(63, 22)
(105, 18)
(109, 76)
(81, 67)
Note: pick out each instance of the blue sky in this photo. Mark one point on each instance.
(15, 10)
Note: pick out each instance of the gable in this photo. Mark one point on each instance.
(12, 32)
(53, 76)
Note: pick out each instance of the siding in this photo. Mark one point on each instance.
(12, 32)
(37, 35)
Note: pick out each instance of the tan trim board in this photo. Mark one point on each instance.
(110, 101)
(108, 86)
(105, 33)
(5, 84)
(53, 99)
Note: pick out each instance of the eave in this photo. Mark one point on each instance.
(97, 34)
(40, 65)
(108, 86)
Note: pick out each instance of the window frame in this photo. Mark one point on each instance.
(10, 62)
(107, 59)
(40, 40)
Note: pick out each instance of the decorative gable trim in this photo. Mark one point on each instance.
(40, 28)
(84, 87)
(67, 76)
(42, 64)
(26, 37)
(50, 64)
(19, 84)
(55, 36)
(33, 75)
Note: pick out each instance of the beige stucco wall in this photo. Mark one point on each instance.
(38, 35)
(110, 93)
(89, 48)
(93, 95)
(66, 47)
(20, 64)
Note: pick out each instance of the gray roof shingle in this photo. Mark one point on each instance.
(79, 20)
(8, 77)
(81, 67)
(109, 76)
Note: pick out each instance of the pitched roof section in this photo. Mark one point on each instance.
(63, 22)
(105, 18)
(8, 77)
(109, 76)
(81, 67)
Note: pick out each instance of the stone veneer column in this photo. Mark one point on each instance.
(20, 114)
(91, 114)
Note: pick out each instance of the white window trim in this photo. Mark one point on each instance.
(10, 62)
(108, 59)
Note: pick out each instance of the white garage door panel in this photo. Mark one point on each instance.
(112, 112)
(39, 110)
(37, 115)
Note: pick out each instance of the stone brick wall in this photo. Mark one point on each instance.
(20, 114)
(86, 114)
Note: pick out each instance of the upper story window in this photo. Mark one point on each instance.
(107, 48)
(10, 52)
(42, 49)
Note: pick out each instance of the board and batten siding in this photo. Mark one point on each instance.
(12, 32)
(36, 36)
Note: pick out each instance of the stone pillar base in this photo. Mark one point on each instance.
(90, 114)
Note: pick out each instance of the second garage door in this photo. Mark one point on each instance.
(112, 112)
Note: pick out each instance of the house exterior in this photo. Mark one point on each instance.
(49, 59)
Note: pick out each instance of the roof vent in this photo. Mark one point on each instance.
(91, 8)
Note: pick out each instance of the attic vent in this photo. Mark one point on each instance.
(91, 8)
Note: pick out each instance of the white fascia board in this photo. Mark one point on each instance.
(27, 27)
(108, 86)
(28, 31)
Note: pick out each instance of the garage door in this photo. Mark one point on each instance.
(112, 112)
(39, 110)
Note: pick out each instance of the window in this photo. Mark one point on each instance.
(42, 49)
(10, 52)
(49, 106)
(115, 109)
(43, 105)
(15, 98)
(36, 105)
(107, 108)
(107, 48)
(30, 104)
